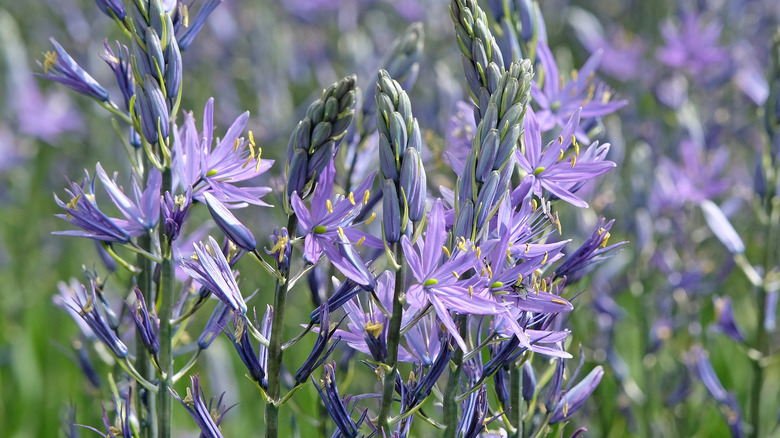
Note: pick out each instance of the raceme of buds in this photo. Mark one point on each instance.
(483, 62)
(317, 137)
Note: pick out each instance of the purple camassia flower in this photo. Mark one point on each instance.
(331, 222)
(622, 52)
(60, 67)
(208, 417)
(558, 101)
(693, 46)
(438, 282)
(216, 170)
(695, 179)
(83, 212)
(547, 169)
(211, 269)
(144, 211)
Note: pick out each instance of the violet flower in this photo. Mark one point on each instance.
(148, 325)
(331, 216)
(216, 170)
(86, 305)
(195, 404)
(60, 67)
(210, 268)
(438, 281)
(547, 168)
(143, 212)
(693, 45)
(559, 102)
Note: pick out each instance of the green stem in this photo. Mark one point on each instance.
(762, 344)
(516, 411)
(145, 402)
(393, 340)
(275, 345)
(453, 385)
(164, 398)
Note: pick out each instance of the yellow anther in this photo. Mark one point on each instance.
(374, 328)
(558, 301)
(248, 160)
(536, 287)
(360, 241)
(185, 12)
(519, 278)
(482, 273)
(352, 198)
(574, 75)
(565, 409)
(490, 271)
(329, 206)
(49, 61)
(560, 139)
(257, 166)
(446, 251)
(604, 242)
(341, 233)
(236, 143)
(560, 156)
(508, 253)
(455, 274)
(576, 146)
(605, 97)
(188, 399)
(471, 291)
(371, 219)
(573, 160)
(366, 195)
(544, 260)
(252, 138)
(194, 257)
(544, 285)
(479, 252)
(591, 92)
(534, 204)
(527, 248)
(558, 223)
(74, 202)
(90, 197)
(601, 231)
(462, 246)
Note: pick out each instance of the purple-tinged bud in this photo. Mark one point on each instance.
(281, 249)
(488, 194)
(487, 155)
(721, 227)
(770, 320)
(502, 390)
(576, 396)
(413, 183)
(465, 219)
(296, 176)
(147, 111)
(466, 181)
(319, 352)
(229, 224)
(508, 142)
(112, 8)
(345, 292)
(148, 327)
(391, 213)
(335, 406)
(320, 158)
(156, 14)
(215, 325)
(141, 58)
(529, 381)
(243, 343)
(60, 67)
(155, 53)
(387, 159)
(174, 211)
(724, 313)
(120, 65)
(527, 19)
(173, 69)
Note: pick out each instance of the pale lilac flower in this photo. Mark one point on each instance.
(548, 169)
(693, 45)
(558, 101)
(143, 211)
(217, 169)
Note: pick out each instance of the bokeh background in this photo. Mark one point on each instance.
(693, 129)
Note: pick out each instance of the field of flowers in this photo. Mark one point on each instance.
(390, 218)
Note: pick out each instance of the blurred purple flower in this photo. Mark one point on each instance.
(692, 45)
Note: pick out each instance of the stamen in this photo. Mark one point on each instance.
(360, 241)
(446, 251)
(558, 301)
(366, 195)
(352, 198)
(49, 61)
(371, 219)
(329, 206)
